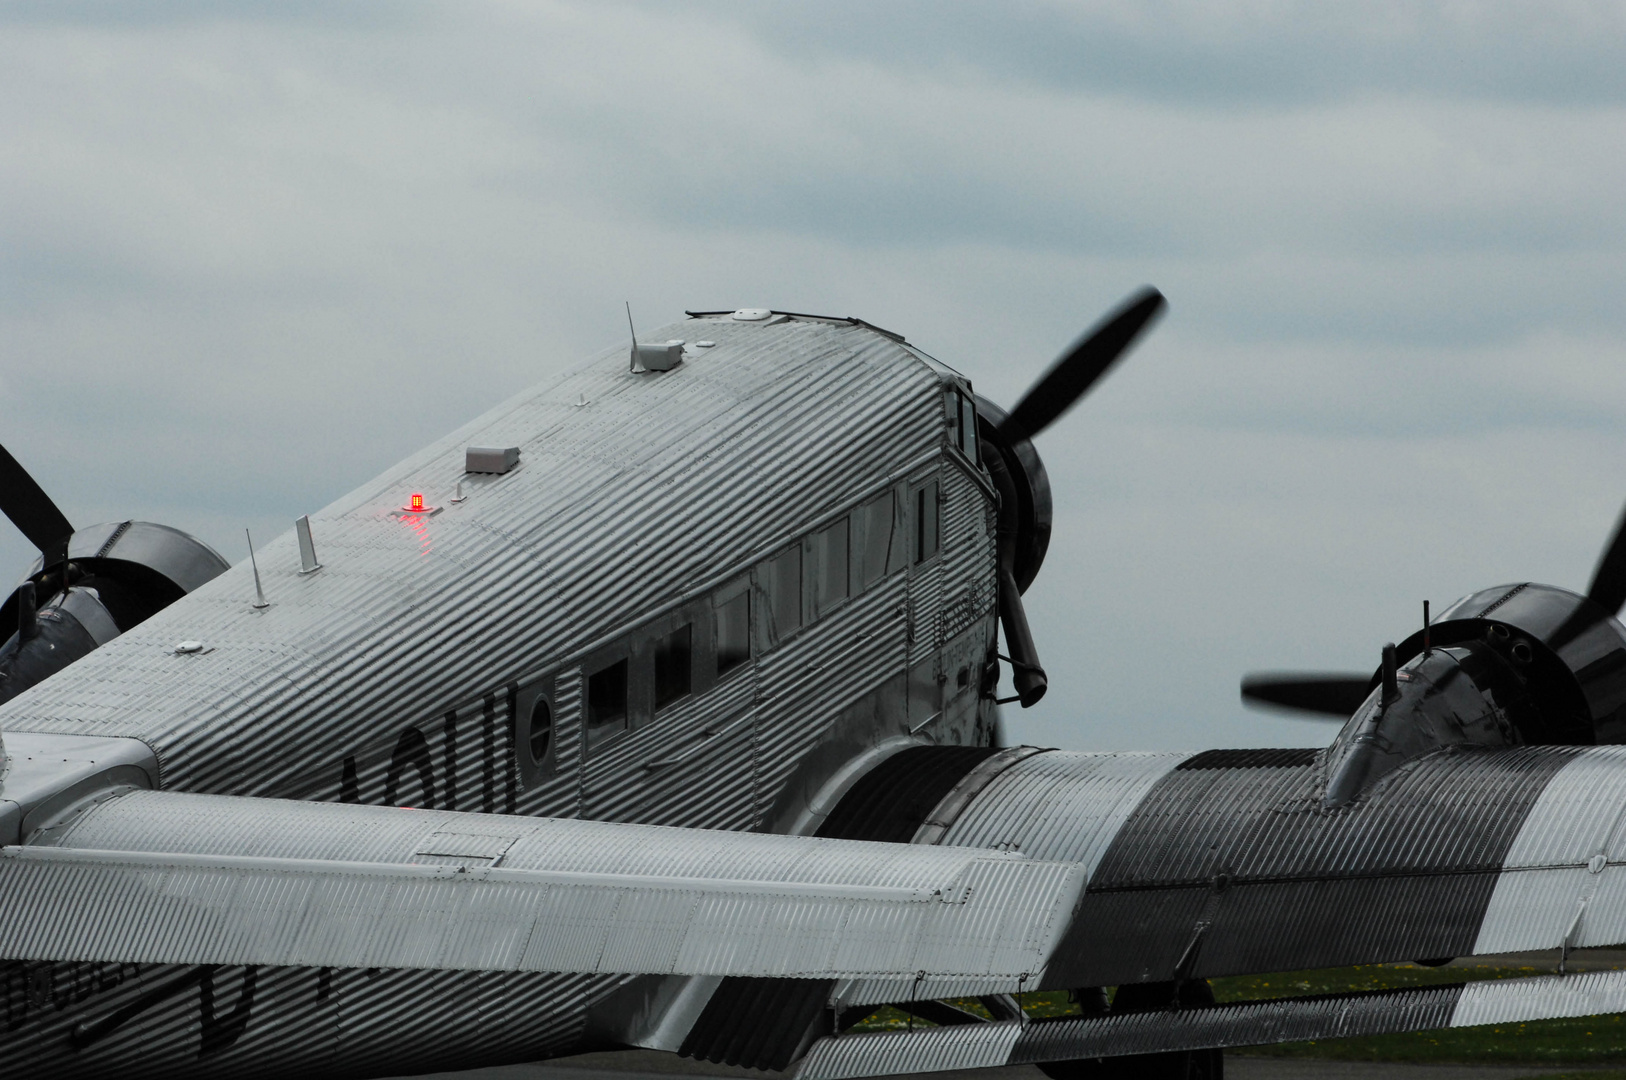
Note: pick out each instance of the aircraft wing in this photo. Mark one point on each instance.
(165, 877)
(1146, 868)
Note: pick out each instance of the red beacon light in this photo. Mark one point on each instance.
(416, 507)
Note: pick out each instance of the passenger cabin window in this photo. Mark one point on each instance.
(607, 701)
(780, 579)
(871, 541)
(926, 525)
(829, 567)
(672, 666)
(733, 621)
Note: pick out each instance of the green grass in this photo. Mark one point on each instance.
(1037, 1005)
(1593, 1040)
(1596, 1040)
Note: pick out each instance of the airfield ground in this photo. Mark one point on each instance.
(1594, 1048)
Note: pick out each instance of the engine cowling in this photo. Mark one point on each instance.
(1515, 665)
(1563, 652)
(116, 576)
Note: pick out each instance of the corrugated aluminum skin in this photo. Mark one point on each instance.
(807, 677)
(1547, 998)
(889, 1053)
(393, 674)
(1013, 1042)
(999, 921)
(1238, 868)
(969, 558)
(402, 673)
(1491, 1001)
(281, 1021)
(656, 486)
(1060, 805)
(1056, 805)
(1563, 876)
(767, 1023)
(325, 885)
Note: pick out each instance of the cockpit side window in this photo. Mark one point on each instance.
(968, 427)
(926, 521)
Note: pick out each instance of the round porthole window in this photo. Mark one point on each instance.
(541, 730)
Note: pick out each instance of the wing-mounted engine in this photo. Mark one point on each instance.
(1511, 666)
(113, 577)
(1514, 665)
(88, 586)
(1552, 660)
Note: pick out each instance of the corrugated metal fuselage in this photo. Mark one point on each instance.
(563, 640)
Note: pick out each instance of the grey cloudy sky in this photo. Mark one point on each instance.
(250, 254)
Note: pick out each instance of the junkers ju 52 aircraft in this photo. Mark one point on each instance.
(659, 707)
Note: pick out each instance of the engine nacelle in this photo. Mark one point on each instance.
(1515, 665)
(116, 576)
(1567, 654)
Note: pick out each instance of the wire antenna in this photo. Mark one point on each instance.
(259, 594)
(632, 359)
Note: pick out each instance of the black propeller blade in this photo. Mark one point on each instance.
(1608, 591)
(1340, 695)
(1608, 588)
(1081, 366)
(1334, 693)
(29, 508)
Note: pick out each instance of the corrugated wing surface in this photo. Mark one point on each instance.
(143, 880)
(89, 1020)
(1230, 862)
(1564, 881)
(1060, 805)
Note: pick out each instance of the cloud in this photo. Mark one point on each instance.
(252, 254)
(1217, 56)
